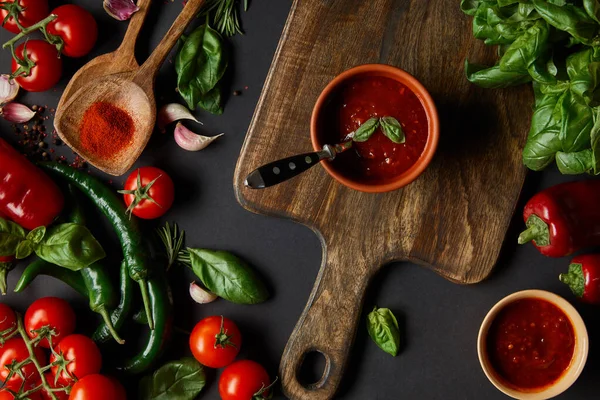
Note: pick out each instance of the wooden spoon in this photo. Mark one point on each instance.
(128, 86)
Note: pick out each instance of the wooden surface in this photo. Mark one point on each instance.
(452, 219)
(117, 78)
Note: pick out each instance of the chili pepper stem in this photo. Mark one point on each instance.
(28, 30)
(529, 234)
(146, 300)
(109, 325)
(3, 276)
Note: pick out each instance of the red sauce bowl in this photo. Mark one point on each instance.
(549, 327)
(376, 70)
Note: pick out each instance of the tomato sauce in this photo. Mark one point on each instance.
(378, 160)
(530, 344)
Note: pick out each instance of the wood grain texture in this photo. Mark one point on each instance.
(452, 219)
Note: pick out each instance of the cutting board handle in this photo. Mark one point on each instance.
(328, 323)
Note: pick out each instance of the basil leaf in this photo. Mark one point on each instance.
(227, 276)
(383, 329)
(568, 18)
(366, 130)
(392, 129)
(592, 8)
(24, 249)
(176, 380)
(11, 235)
(70, 246)
(37, 234)
(574, 163)
(211, 101)
(493, 77)
(200, 64)
(540, 149)
(524, 51)
(595, 140)
(469, 7)
(576, 123)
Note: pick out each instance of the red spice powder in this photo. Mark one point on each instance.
(105, 129)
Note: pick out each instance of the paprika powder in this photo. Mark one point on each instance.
(106, 130)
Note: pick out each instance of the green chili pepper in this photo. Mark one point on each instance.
(161, 301)
(119, 314)
(5, 268)
(134, 251)
(41, 267)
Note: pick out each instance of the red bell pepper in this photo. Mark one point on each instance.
(28, 196)
(564, 218)
(584, 278)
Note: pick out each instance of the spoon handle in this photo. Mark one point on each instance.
(150, 67)
(281, 170)
(126, 50)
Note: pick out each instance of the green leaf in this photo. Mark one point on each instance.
(11, 235)
(227, 276)
(200, 64)
(366, 130)
(469, 7)
(24, 249)
(176, 380)
(37, 234)
(70, 246)
(592, 8)
(526, 49)
(540, 149)
(576, 123)
(493, 77)
(595, 141)
(211, 101)
(568, 18)
(383, 329)
(392, 129)
(574, 163)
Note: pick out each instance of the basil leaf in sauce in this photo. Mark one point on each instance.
(366, 130)
(392, 129)
(176, 380)
(383, 329)
(11, 235)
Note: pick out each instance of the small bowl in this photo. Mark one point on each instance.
(572, 372)
(430, 110)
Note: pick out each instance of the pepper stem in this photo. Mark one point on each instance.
(528, 235)
(537, 230)
(109, 325)
(574, 279)
(146, 300)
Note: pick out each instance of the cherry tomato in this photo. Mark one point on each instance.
(82, 355)
(139, 186)
(15, 349)
(244, 380)
(97, 387)
(77, 28)
(8, 319)
(53, 312)
(215, 341)
(33, 11)
(44, 395)
(5, 395)
(47, 69)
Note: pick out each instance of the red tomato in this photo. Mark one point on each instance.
(47, 69)
(53, 312)
(97, 387)
(59, 395)
(77, 28)
(8, 319)
(4, 395)
(32, 11)
(215, 341)
(140, 190)
(244, 380)
(82, 355)
(15, 349)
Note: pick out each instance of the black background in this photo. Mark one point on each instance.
(439, 319)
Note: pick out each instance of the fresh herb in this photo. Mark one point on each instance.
(366, 130)
(224, 15)
(200, 64)
(176, 380)
(392, 129)
(172, 239)
(383, 329)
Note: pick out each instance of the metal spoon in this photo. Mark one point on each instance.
(281, 170)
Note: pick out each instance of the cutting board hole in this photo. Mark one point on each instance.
(314, 370)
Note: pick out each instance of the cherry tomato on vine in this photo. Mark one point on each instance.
(60, 395)
(76, 27)
(97, 387)
(82, 358)
(15, 349)
(47, 69)
(31, 11)
(149, 192)
(244, 380)
(215, 341)
(5, 395)
(53, 312)
(8, 319)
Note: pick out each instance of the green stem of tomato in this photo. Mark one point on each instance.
(40, 25)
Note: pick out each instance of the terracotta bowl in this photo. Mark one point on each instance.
(417, 88)
(580, 351)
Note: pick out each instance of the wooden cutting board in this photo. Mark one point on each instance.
(452, 219)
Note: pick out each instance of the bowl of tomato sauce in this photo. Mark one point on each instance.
(376, 92)
(532, 345)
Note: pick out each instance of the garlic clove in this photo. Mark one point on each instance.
(16, 113)
(9, 89)
(190, 141)
(120, 9)
(200, 295)
(173, 112)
